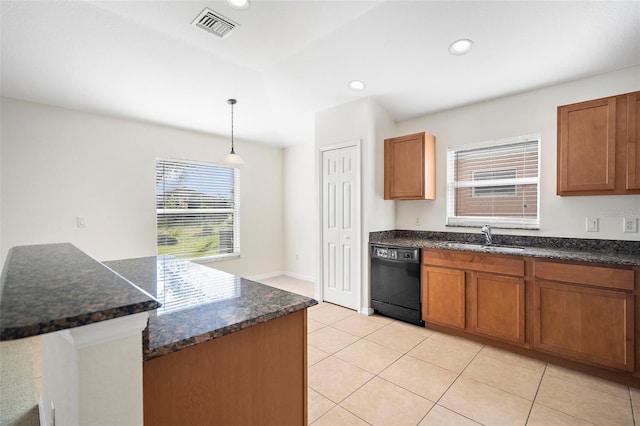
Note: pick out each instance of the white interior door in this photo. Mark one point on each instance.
(340, 226)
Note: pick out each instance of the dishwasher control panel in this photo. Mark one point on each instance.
(392, 253)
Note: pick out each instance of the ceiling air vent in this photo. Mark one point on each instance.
(214, 23)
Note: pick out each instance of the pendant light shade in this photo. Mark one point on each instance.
(232, 159)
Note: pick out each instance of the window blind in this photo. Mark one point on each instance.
(494, 183)
(197, 209)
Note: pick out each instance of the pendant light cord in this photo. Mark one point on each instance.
(232, 103)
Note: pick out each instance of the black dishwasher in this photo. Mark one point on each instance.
(395, 282)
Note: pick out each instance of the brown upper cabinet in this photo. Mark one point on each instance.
(598, 152)
(410, 167)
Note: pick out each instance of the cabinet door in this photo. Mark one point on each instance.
(497, 307)
(586, 146)
(409, 167)
(404, 166)
(586, 324)
(633, 144)
(443, 296)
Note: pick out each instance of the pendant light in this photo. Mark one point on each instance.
(232, 159)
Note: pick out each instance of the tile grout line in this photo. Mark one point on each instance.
(451, 385)
(633, 414)
(556, 409)
(533, 402)
(382, 378)
(373, 375)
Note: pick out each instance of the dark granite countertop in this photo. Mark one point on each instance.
(200, 303)
(53, 287)
(614, 252)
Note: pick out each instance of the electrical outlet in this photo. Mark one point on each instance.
(592, 224)
(630, 224)
(417, 222)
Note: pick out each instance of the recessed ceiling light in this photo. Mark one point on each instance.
(461, 47)
(238, 4)
(357, 85)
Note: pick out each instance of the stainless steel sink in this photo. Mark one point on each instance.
(484, 248)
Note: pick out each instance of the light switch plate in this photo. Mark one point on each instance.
(592, 224)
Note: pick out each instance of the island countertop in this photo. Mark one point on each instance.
(200, 303)
(52, 287)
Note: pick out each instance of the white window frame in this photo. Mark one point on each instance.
(235, 211)
(495, 221)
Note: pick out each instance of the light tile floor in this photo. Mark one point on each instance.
(371, 370)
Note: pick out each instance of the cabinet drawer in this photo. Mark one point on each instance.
(498, 264)
(585, 274)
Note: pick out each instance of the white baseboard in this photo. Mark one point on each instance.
(366, 311)
(274, 274)
(300, 276)
(265, 276)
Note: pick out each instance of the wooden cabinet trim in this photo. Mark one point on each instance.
(633, 145)
(483, 262)
(565, 337)
(617, 278)
(508, 325)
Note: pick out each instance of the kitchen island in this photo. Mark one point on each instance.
(221, 349)
(180, 342)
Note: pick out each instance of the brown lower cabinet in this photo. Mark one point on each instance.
(497, 307)
(585, 324)
(257, 375)
(443, 296)
(489, 288)
(576, 314)
(585, 313)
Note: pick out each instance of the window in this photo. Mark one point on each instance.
(494, 183)
(197, 210)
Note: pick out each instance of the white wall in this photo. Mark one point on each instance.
(92, 375)
(58, 164)
(300, 214)
(362, 120)
(522, 114)
(379, 213)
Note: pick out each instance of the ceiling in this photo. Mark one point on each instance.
(288, 59)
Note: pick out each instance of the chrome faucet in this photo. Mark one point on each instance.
(486, 230)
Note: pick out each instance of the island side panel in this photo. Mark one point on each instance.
(254, 376)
